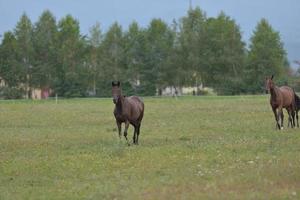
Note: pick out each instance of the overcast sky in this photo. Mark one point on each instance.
(284, 15)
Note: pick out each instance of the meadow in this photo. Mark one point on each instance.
(189, 148)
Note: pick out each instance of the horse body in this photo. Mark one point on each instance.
(131, 109)
(128, 110)
(283, 97)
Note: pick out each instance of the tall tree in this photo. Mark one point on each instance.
(266, 56)
(174, 73)
(113, 57)
(225, 55)
(45, 48)
(160, 40)
(23, 34)
(134, 56)
(192, 39)
(95, 68)
(10, 70)
(70, 72)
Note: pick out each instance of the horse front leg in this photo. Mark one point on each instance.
(125, 131)
(297, 118)
(281, 117)
(119, 124)
(276, 118)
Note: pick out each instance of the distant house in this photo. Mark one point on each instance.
(37, 93)
(170, 91)
(179, 91)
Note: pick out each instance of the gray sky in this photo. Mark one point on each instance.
(284, 15)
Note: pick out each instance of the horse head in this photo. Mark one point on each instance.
(116, 91)
(269, 84)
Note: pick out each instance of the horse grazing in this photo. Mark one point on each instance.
(128, 110)
(281, 97)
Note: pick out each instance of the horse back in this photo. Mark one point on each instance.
(136, 107)
(288, 96)
(137, 103)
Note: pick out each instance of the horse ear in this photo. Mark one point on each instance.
(272, 77)
(118, 84)
(113, 83)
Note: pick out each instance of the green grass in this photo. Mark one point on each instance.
(190, 148)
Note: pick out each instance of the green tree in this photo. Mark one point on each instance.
(160, 40)
(224, 55)
(45, 49)
(192, 40)
(71, 73)
(10, 70)
(174, 73)
(112, 48)
(24, 49)
(266, 56)
(95, 68)
(134, 57)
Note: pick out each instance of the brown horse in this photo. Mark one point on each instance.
(282, 97)
(128, 110)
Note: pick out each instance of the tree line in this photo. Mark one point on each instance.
(191, 51)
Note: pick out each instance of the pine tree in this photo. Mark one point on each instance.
(158, 47)
(45, 50)
(25, 52)
(192, 44)
(224, 55)
(95, 69)
(135, 56)
(10, 70)
(71, 74)
(112, 48)
(266, 56)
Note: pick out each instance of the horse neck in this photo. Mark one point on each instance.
(274, 92)
(120, 104)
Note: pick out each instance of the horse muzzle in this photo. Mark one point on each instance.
(115, 100)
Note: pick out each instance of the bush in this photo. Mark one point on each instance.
(11, 93)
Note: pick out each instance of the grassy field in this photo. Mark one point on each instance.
(190, 148)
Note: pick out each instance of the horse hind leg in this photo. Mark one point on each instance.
(125, 131)
(293, 113)
(290, 120)
(134, 135)
(138, 133)
(293, 117)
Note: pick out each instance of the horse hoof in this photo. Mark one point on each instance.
(281, 128)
